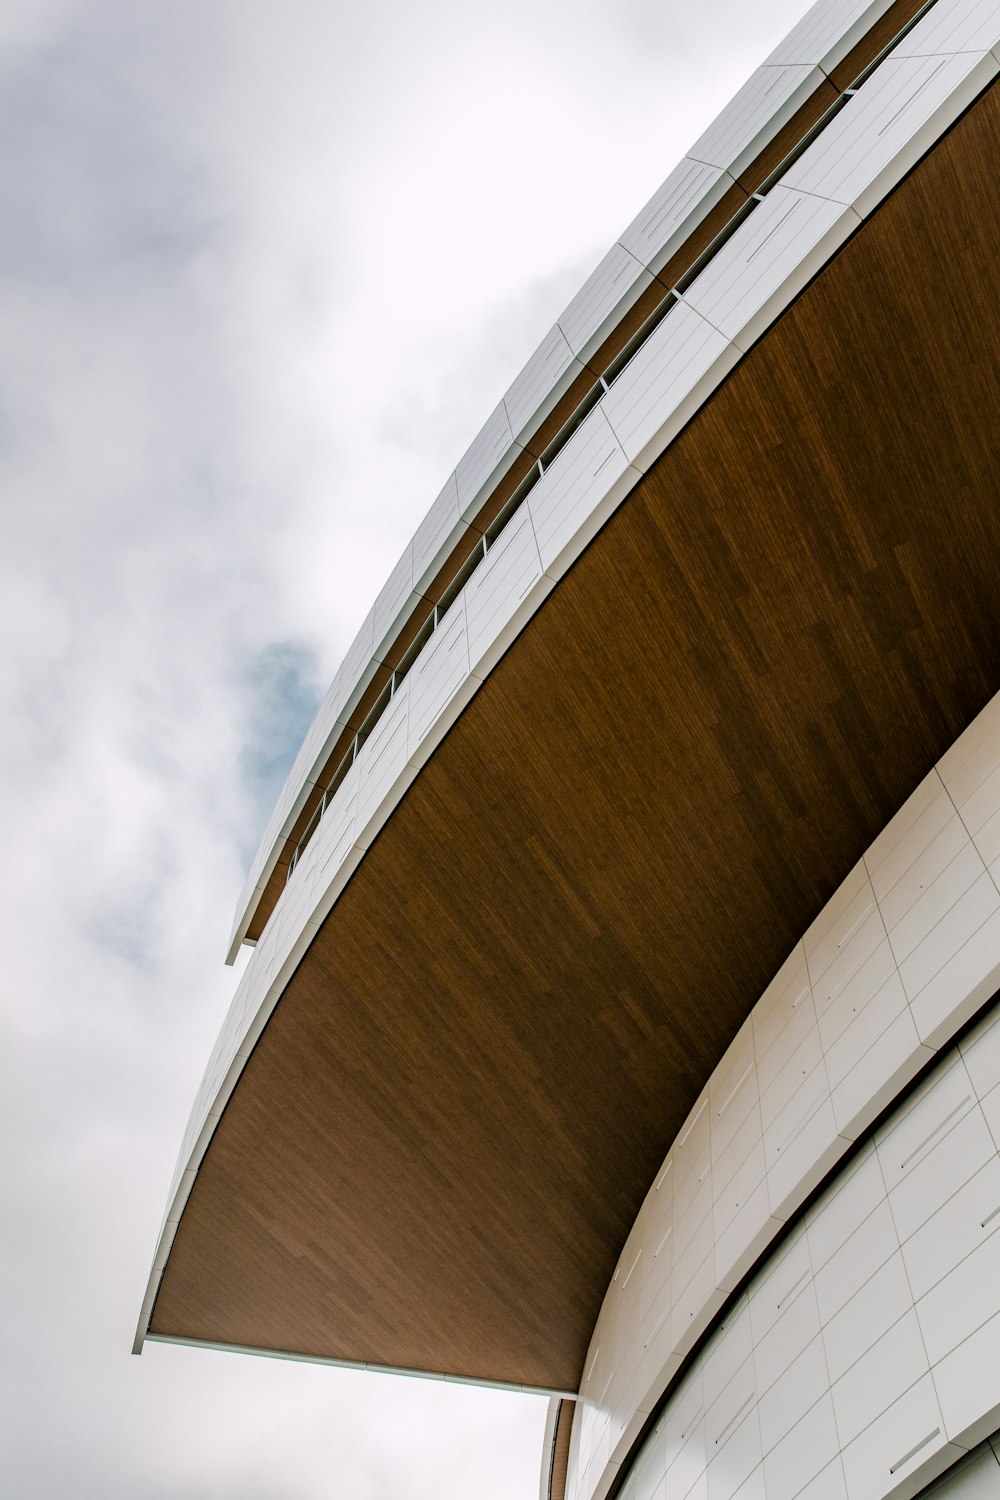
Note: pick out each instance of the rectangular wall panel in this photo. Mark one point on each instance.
(654, 395)
(615, 284)
(495, 595)
(755, 114)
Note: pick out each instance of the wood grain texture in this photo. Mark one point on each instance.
(881, 34)
(788, 137)
(438, 1147)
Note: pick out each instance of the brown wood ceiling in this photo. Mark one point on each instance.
(438, 1147)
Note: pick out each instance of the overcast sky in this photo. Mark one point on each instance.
(264, 270)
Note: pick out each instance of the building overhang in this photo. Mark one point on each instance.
(437, 1146)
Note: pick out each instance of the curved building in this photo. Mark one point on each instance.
(621, 1017)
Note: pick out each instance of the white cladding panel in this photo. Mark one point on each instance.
(490, 454)
(334, 838)
(576, 495)
(902, 108)
(383, 760)
(781, 245)
(437, 534)
(963, 26)
(828, 31)
(690, 192)
(547, 375)
(495, 595)
(438, 673)
(664, 382)
(831, 1362)
(359, 666)
(755, 114)
(395, 602)
(602, 300)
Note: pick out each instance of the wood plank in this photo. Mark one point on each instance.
(442, 1139)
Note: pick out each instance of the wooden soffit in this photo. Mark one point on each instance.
(441, 1141)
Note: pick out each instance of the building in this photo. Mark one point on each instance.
(619, 1022)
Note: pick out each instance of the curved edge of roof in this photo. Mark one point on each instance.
(748, 123)
(839, 181)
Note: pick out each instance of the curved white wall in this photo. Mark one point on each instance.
(864, 151)
(751, 120)
(864, 1356)
(905, 952)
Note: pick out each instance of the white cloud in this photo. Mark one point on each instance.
(265, 270)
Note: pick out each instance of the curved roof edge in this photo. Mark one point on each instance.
(748, 123)
(834, 185)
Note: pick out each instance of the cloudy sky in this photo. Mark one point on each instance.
(264, 270)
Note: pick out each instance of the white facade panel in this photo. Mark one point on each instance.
(888, 1062)
(954, 1156)
(500, 592)
(857, 1193)
(490, 455)
(805, 1382)
(950, 1233)
(395, 603)
(806, 1462)
(828, 32)
(954, 1309)
(690, 192)
(334, 837)
(963, 1378)
(885, 129)
(358, 667)
(934, 1109)
(575, 496)
(953, 26)
(660, 388)
(873, 1310)
(547, 375)
(980, 1051)
(606, 295)
(781, 1018)
(991, 1112)
(973, 758)
(738, 1454)
(860, 970)
(939, 894)
(906, 835)
(382, 761)
(437, 534)
(865, 1251)
(879, 1377)
(770, 258)
(796, 1089)
(949, 838)
(725, 1360)
(755, 114)
(437, 674)
(833, 1377)
(797, 1327)
(957, 956)
(866, 1006)
(801, 1148)
(897, 1445)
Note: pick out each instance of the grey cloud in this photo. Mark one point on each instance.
(264, 270)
